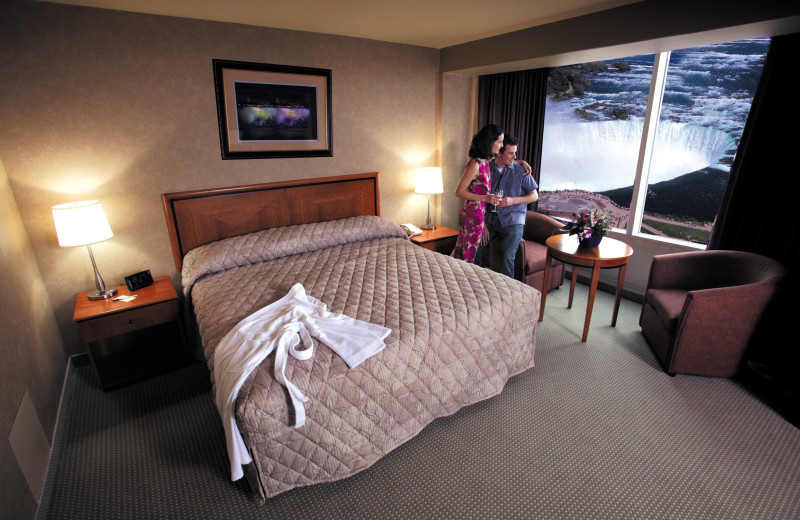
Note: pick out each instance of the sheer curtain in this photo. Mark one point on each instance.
(515, 101)
(760, 213)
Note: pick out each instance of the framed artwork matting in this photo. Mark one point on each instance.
(269, 111)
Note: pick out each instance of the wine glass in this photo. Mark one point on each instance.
(498, 193)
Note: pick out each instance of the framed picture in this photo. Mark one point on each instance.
(272, 110)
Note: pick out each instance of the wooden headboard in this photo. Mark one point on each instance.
(198, 217)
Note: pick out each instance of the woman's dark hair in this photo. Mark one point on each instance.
(481, 146)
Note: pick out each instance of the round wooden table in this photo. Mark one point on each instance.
(610, 253)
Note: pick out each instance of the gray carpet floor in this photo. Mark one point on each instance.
(595, 430)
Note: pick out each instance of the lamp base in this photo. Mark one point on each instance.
(97, 295)
(428, 224)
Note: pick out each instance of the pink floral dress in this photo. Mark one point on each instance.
(470, 220)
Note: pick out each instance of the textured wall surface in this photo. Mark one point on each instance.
(121, 107)
(31, 348)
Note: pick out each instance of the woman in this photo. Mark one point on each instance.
(476, 187)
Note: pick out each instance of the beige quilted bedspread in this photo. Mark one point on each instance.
(458, 333)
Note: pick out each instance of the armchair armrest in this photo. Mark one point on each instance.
(713, 324)
(519, 262)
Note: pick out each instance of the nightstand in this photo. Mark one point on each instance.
(442, 239)
(128, 341)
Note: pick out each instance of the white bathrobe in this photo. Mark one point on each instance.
(285, 326)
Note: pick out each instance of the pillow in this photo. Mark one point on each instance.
(272, 243)
(540, 227)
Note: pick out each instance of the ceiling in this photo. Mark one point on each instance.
(428, 23)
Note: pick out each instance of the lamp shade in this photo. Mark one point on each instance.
(81, 223)
(429, 180)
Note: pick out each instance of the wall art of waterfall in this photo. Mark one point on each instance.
(591, 142)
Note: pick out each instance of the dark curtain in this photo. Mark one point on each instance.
(759, 211)
(515, 102)
(760, 214)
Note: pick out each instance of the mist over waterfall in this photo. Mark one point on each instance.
(602, 155)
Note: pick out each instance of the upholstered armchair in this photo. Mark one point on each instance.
(532, 252)
(700, 308)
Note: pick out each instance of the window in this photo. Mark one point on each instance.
(594, 139)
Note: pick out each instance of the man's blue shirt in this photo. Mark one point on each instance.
(514, 183)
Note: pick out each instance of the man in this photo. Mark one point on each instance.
(506, 224)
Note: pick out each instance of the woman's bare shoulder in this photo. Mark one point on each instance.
(474, 165)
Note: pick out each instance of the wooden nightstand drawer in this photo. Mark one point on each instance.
(127, 321)
(444, 246)
(441, 240)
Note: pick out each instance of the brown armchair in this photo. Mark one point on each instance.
(700, 308)
(532, 252)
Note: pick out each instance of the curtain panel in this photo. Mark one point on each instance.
(759, 214)
(759, 211)
(515, 101)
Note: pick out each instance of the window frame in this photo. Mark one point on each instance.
(647, 144)
(658, 82)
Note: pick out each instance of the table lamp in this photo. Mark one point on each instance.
(82, 224)
(429, 181)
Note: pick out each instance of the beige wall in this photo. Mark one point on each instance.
(31, 349)
(458, 120)
(121, 107)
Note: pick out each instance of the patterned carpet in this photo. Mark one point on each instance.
(595, 430)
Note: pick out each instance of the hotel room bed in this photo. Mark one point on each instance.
(458, 332)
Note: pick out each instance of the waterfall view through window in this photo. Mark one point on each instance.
(595, 117)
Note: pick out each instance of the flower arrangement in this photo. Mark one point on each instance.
(589, 226)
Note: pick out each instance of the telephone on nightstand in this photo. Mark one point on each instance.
(411, 230)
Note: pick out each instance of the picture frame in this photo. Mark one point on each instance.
(270, 111)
